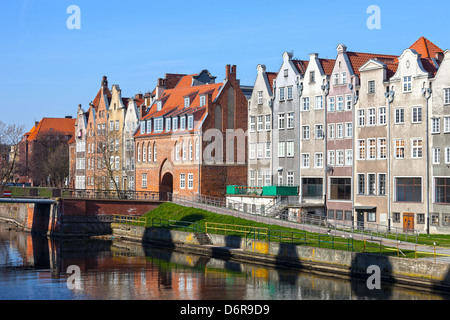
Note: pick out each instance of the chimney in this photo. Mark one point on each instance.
(230, 72)
(105, 82)
(160, 87)
(68, 117)
(138, 96)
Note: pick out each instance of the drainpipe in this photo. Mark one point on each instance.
(390, 97)
(426, 92)
(300, 94)
(354, 101)
(325, 90)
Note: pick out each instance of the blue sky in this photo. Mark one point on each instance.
(47, 69)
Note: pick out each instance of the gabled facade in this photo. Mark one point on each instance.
(181, 144)
(80, 148)
(286, 122)
(260, 129)
(312, 130)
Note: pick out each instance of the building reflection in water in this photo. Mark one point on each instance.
(127, 271)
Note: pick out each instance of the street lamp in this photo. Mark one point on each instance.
(389, 94)
(426, 92)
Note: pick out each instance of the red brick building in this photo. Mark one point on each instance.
(181, 145)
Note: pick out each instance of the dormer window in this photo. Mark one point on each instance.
(175, 124)
(159, 125)
(186, 102)
(142, 127)
(159, 105)
(183, 123)
(149, 126)
(202, 101)
(190, 122)
(168, 122)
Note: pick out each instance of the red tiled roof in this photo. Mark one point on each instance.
(62, 125)
(172, 79)
(327, 65)
(425, 48)
(301, 65)
(97, 97)
(271, 76)
(357, 59)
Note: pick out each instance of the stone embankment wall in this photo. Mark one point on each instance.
(418, 273)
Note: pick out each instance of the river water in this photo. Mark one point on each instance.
(35, 268)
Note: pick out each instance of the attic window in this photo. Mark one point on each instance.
(202, 100)
(159, 106)
(285, 72)
(186, 102)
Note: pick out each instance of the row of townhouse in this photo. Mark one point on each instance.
(171, 140)
(365, 136)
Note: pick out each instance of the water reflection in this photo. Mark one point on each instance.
(35, 268)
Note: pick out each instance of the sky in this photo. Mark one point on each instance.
(48, 68)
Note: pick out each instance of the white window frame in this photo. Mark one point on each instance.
(381, 116)
(331, 157)
(371, 117)
(281, 149)
(361, 118)
(190, 181)
(290, 153)
(415, 149)
(435, 125)
(331, 131)
(305, 133)
(436, 155)
(407, 84)
(281, 121)
(399, 116)
(318, 160)
(252, 123)
(182, 181)
(416, 115)
(304, 161)
(318, 102)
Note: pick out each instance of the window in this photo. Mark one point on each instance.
(361, 118)
(190, 181)
(191, 151)
(183, 122)
(336, 79)
(348, 157)
(331, 157)
(268, 178)
(260, 97)
(339, 214)
(331, 214)
(144, 180)
(190, 122)
(318, 160)
(290, 120)
(117, 125)
(159, 125)
(348, 102)
(446, 124)
(435, 125)
(268, 150)
(442, 190)
(175, 124)
(268, 123)
(312, 77)
(408, 189)
(420, 218)
(382, 149)
(371, 184)
(282, 94)
(446, 96)
(183, 151)
(371, 87)
(319, 131)
(361, 149)
(331, 104)
(142, 127)
(447, 155)
(186, 102)
(149, 126)
(371, 216)
(331, 131)
(177, 152)
(312, 188)
(252, 178)
(416, 115)
(159, 105)
(371, 117)
(154, 152)
(381, 116)
(260, 123)
(348, 130)
(290, 178)
(252, 123)
(305, 132)
(182, 180)
(144, 154)
(340, 157)
(281, 121)
(319, 103)
(372, 149)
(203, 100)
(281, 149)
(348, 215)
(407, 84)
(139, 153)
(344, 77)
(340, 103)
(340, 189)
(289, 93)
(290, 148)
(280, 178)
(260, 178)
(416, 150)
(399, 115)
(399, 146)
(305, 104)
(111, 125)
(340, 130)
(382, 184)
(396, 217)
(436, 155)
(197, 149)
(260, 150)
(361, 184)
(168, 123)
(305, 160)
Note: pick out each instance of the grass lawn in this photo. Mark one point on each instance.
(171, 211)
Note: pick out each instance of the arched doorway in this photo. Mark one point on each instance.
(166, 184)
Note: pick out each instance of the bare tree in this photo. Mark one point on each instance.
(10, 135)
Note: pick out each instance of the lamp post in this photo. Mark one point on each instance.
(426, 92)
(390, 98)
(354, 101)
(326, 90)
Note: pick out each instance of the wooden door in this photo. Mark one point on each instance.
(408, 221)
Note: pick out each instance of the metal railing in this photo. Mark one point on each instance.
(114, 194)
